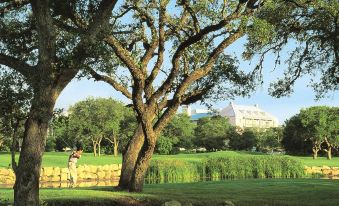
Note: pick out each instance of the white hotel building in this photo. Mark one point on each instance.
(238, 115)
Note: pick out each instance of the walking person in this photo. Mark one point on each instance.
(72, 166)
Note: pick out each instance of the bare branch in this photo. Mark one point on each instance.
(125, 56)
(180, 97)
(112, 82)
(154, 42)
(199, 73)
(189, 98)
(188, 42)
(112, 142)
(161, 50)
(80, 52)
(121, 15)
(192, 13)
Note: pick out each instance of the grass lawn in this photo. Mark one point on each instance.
(241, 192)
(320, 161)
(59, 159)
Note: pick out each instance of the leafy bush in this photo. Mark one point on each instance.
(244, 141)
(164, 145)
(220, 168)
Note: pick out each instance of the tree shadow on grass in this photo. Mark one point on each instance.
(125, 201)
(117, 197)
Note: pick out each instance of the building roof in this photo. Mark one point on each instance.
(248, 112)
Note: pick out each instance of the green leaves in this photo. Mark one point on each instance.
(180, 132)
(15, 101)
(321, 122)
(212, 132)
(259, 34)
(316, 125)
(307, 31)
(96, 117)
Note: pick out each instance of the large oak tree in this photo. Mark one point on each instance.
(193, 36)
(176, 55)
(47, 43)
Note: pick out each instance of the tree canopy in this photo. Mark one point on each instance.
(213, 132)
(194, 36)
(309, 29)
(294, 139)
(321, 126)
(96, 119)
(15, 101)
(313, 128)
(269, 139)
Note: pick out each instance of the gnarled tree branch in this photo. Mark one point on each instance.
(18, 65)
(112, 82)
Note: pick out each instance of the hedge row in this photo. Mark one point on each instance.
(220, 168)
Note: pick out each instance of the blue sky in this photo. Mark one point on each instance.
(283, 108)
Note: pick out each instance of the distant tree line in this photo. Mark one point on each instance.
(104, 125)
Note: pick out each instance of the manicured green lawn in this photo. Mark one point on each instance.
(59, 159)
(320, 161)
(241, 192)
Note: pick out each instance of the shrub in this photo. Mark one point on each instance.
(164, 145)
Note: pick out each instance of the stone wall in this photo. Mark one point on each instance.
(110, 174)
(7, 176)
(86, 173)
(325, 171)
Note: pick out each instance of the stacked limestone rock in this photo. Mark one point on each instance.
(326, 171)
(50, 174)
(106, 172)
(86, 173)
(7, 176)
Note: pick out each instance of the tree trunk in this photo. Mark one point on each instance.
(144, 147)
(99, 149)
(329, 153)
(14, 165)
(130, 157)
(115, 147)
(137, 181)
(315, 153)
(26, 187)
(20, 140)
(95, 149)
